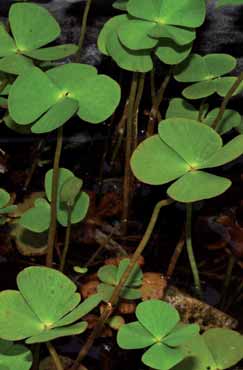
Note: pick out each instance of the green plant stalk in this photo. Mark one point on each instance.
(53, 224)
(190, 252)
(155, 113)
(228, 276)
(83, 29)
(54, 356)
(119, 133)
(67, 240)
(226, 100)
(175, 256)
(115, 295)
(140, 90)
(128, 151)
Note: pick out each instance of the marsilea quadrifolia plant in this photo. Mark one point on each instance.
(40, 97)
(164, 28)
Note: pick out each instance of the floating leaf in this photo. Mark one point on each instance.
(157, 328)
(46, 300)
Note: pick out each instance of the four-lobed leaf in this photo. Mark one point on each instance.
(151, 28)
(206, 74)
(48, 99)
(157, 327)
(43, 308)
(181, 149)
(110, 276)
(181, 108)
(70, 198)
(217, 349)
(32, 27)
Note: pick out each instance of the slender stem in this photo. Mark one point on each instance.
(226, 99)
(152, 86)
(190, 252)
(36, 356)
(54, 356)
(228, 276)
(136, 109)
(115, 295)
(175, 256)
(3, 84)
(67, 239)
(52, 229)
(83, 29)
(119, 133)
(154, 113)
(128, 152)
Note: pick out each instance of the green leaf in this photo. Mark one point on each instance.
(70, 190)
(112, 25)
(15, 64)
(7, 46)
(171, 53)
(134, 336)
(169, 11)
(224, 84)
(4, 198)
(135, 276)
(80, 311)
(229, 2)
(17, 320)
(108, 274)
(32, 26)
(179, 35)
(57, 115)
(38, 218)
(105, 291)
(228, 153)
(98, 98)
(63, 175)
(131, 60)
(225, 345)
(47, 336)
(48, 292)
(130, 293)
(53, 53)
(197, 185)
(120, 4)
(198, 68)
(200, 90)
(133, 34)
(31, 95)
(194, 142)
(217, 348)
(14, 356)
(161, 357)
(197, 356)
(181, 108)
(158, 317)
(69, 77)
(230, 119)
(79, 210)
(155, 163)
(181, 335)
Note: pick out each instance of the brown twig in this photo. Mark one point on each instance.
(128, 152)
(155, 113)
(226, 99)
(175, 256)
(115, 296)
